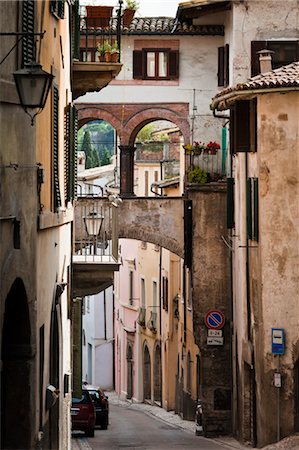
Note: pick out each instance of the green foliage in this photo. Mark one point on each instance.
(101, 137)
(92, 156)
(197, 175)
(145, 134)
(132, 4)
(106, 158)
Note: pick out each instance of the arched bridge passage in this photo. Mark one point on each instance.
(129, 118)
(156, 220)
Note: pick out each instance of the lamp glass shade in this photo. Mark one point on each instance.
(33, 85)
(93, 223)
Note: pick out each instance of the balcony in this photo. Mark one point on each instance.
(141, 317)
(152, 323)
(205, 165)
(97, 26)
(95, 252)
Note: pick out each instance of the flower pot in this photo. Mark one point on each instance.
(213, 151)
(98, 16)
(128, 16)
(114, 57)
(101, 58)
(108, 57)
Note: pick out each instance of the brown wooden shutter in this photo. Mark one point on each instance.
(232, 119)
(173, 64)
(28, 20)
(220, 66)
(242, 126)
(256, 46)
(253, 125)
(226, 65)
(138, 64)
(230, 210)
(57, 197)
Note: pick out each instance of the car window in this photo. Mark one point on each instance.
(95, 397)
(84, 399)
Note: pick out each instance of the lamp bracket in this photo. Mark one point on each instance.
(21, 35)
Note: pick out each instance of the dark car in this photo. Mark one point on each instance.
(101, 404)
(83, 414)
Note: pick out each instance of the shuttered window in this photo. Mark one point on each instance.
(244, 126)
(70, 153)
(223, 65)
(230, 209)
(57, 8)
(252, 208)
(285, 52)
(28, 21)
(75, 30)
(57, 197)
(156, 64)
(165, 293)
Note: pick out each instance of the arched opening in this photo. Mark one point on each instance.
(16, 351)
(129, 371)
(96, 149)
(157, 159)
(158, 376)
(54, 372)
(147, 391)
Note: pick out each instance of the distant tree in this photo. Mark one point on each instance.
(92, 156)
(145, 134)
(106, 159)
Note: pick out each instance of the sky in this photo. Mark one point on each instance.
(147, 8)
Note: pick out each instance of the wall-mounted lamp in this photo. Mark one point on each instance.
(33, 85)
(93, 224)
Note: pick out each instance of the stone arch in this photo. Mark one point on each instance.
(148, 115)
(157, 374)
(16, 353)
(147, 381)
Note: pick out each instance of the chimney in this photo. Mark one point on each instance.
(265, 59)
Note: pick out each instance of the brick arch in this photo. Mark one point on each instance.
(87, 114)
(128, 119)
(150, 114)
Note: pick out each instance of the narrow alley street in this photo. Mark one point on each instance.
(136, 430)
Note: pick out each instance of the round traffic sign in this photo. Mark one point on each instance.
(214, 319)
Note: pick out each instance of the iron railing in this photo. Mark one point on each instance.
(214, 165)
(95, 230)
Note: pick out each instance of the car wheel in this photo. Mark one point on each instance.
(90, 432)
(105, 423)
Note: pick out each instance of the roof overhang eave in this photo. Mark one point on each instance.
(225, 101)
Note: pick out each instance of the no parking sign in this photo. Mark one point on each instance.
(214, 319)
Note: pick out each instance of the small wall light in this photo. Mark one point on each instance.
(33, 85)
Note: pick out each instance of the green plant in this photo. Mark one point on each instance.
(132, 4)
(197, 175)
(114, 47)
(106, 46)
(101, 49)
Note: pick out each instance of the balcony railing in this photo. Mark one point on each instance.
(95, 230)
(141, 316)
(205, 167)
(152, 322)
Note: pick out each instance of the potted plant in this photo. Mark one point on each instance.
(197, 175)
(107, 50)
(114, 52)
(101, 51)
(212, 148)
(129, 12)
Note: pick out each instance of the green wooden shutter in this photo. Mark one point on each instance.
(249, 207)
(75, 30)
(28, 21)
(57, 197)
(255, 209)
(66, 152)
(57, 8)
(230, 209)
(70, 153)
(74, 165)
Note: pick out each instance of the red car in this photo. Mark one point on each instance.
(101, 404)
(83, 414)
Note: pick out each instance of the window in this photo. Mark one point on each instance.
(243, 135)
(155, 296)
(28, 53)
(230, 219)
(57, 198)
(70, 152)
(165, 293)
(223, 65)
(156, 64)
(57, 8)
(252, 213)
(142, 293)
(285, 52)
(146, 183)
(131, 278)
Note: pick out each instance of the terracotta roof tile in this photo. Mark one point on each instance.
(160, 25)
(283, 77)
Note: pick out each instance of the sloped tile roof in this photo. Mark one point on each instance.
(161, 25)
(283, 77)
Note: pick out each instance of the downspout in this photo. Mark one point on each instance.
(160, 320)
(114, 342)
(105, 318)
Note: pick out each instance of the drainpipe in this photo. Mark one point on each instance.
(160, 321)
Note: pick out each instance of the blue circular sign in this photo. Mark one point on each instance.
(214, 319)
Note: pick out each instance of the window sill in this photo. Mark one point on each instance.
(49, 219)
(144, 83)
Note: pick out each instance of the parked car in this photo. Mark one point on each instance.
(101, 405)
(83, 414)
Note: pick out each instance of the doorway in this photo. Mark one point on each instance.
(129, 372)
(147, 392)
